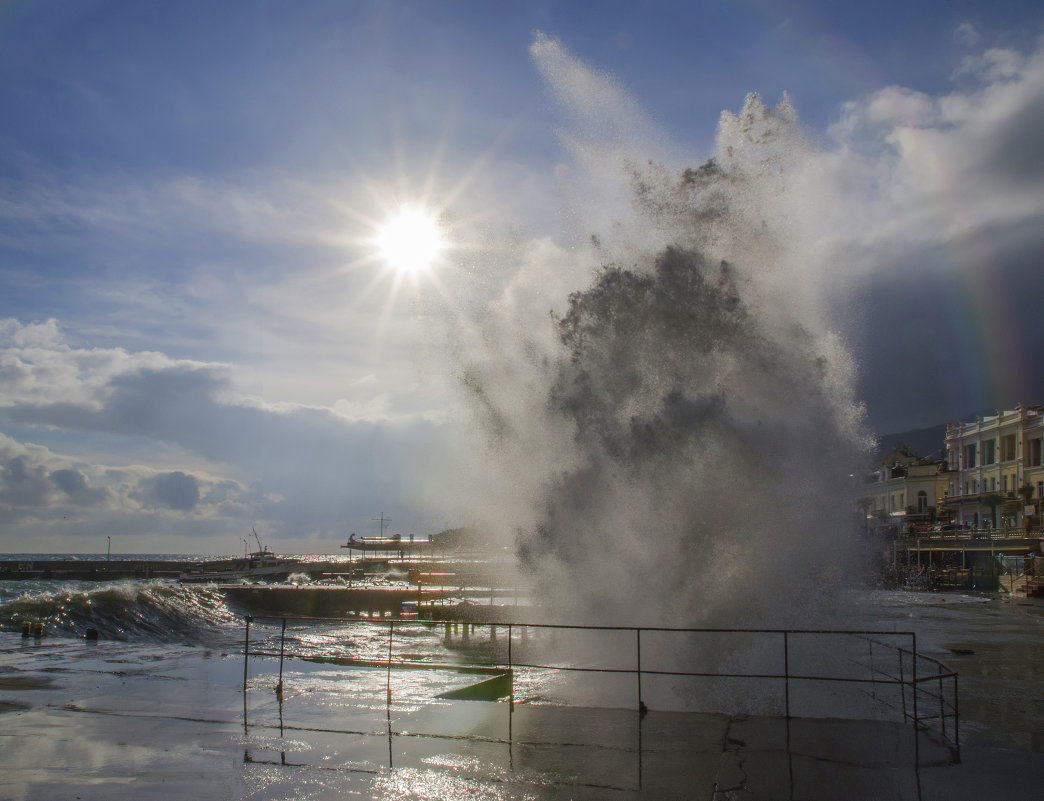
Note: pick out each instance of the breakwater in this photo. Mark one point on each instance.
(89, 569)
(427, 572)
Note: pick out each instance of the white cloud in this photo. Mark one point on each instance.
(995, 64)
(899, 106)
(921, 202)
(304, 470)
(966, 34)
(37, 366)
(944, 168)
(38, 485)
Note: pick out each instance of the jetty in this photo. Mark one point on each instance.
(89, 569)
(327, 601)
(427, 570)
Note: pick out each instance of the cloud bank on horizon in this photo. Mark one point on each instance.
(193, 342)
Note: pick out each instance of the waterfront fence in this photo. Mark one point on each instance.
(790, 673)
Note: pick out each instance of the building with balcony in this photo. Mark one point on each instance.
(906, 491)
(995, 471)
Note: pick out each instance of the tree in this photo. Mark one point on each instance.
(993, 500)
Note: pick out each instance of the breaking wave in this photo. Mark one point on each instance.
(156, 611)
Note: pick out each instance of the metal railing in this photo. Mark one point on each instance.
(1021, 575)
(928, 690)
(918, 689)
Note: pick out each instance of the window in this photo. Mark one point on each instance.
(989, 451)
(1008, 448)
(1034, 452)
(1040, 489)
(922, 501)
(969, 456)
(1005, 481)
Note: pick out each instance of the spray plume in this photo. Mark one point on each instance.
(675, 445)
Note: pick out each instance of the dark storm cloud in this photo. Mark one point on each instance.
(70, 482)
(23, 484)
(1017, 152)
(175, 490)
(935, 344)
(947, 230)
(153, 402)
(74, 484)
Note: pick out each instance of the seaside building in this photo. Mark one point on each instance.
(996, 475)
(906, 491)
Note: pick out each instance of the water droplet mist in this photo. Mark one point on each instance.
(675, 444)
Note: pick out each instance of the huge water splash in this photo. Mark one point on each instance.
(676, 445)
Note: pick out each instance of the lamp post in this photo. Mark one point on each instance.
(108, 549)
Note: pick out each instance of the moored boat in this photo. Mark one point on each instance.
(261, 565)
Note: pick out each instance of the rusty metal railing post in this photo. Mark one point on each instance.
(873, 675)
(902, 685)
(942, 708)
(511, 670)
(916, 719)
(246, 650)
(913, 676)
(391, 633)
(282, 641)
(638, 667)
(786, 683)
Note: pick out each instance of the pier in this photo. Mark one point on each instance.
(428, 570)
(965, 561)
(89, 569)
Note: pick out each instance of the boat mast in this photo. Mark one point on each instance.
(384, 522)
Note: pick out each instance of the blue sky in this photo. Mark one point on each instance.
(197, 335)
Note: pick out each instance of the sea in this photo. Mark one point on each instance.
(993, 643)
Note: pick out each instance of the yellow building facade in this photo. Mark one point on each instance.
(906, 491)
(996, 471)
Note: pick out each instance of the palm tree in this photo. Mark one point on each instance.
(993, 500)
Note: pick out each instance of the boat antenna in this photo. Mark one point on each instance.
(260, 547)
(384, 522)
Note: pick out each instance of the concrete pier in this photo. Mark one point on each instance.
(88, 569)
(322, 601)
(436, 573)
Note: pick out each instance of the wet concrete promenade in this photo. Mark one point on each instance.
(120, 721)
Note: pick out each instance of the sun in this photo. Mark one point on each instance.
(410, 242)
